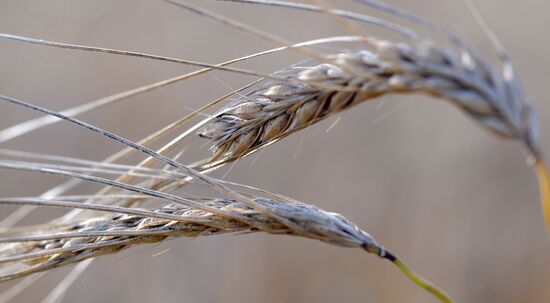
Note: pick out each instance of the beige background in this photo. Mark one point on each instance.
(460, 205)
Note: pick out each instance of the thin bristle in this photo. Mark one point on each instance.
(38, 123)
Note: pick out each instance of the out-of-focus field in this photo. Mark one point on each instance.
(458, 204)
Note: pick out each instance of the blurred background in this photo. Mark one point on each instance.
(458, 204)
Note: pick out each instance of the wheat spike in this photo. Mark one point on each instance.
(102, 235)
(278, 109)
(70, 243)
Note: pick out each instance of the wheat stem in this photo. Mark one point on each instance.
(544, 185)
(419, 280)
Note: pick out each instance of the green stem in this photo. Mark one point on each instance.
(418, 280)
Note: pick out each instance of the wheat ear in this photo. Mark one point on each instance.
(54, 247)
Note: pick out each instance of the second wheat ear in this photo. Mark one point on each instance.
(493, 97)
